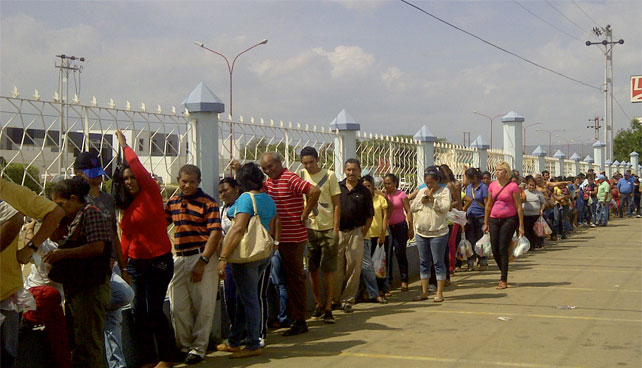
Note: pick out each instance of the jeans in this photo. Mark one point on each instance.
(580, 207)
(9, 338)
(626, 201)
(247, 277)
(121, 295)
(277, 275)
(501, 235)
(529, 230)
(474, 232)
(560, 215)
(593, 210)
(602, 213)
(399, 235)
(367, 268)
(431, 251)
(150, 279)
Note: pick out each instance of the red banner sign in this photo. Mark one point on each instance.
(636, 88)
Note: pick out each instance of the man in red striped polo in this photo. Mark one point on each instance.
(287, 190)
(192, 291)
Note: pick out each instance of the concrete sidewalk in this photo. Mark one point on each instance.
(597, 270)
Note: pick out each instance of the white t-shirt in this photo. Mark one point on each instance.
(39, 274)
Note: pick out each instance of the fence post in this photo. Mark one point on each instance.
(425, 151)
(635, 163)
(513, 139)
(204, 107)
(589, 160)
(575, 157)
(609, 166)
(345, 143)
(560, 156)
(541, 158)
(599, 153)
(482, 152)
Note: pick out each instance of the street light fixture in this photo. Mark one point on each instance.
(550, 137)
(230, 69)
(491, 118)
(527, 126)
(568, 143)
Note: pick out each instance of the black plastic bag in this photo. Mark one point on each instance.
(122, 198)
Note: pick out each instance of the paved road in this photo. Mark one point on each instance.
(597, 270)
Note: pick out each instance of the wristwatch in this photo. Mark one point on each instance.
(32, 246)
(204, 259)
(276, 243)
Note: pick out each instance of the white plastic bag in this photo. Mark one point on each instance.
(469, 249)
(488, 250)
(456, 216)
(461, 251)
(379, 261)
(483, 245)
(522, 247)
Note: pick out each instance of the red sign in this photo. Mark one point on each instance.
(636, 88)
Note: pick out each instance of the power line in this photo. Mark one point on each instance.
(621, 108)
(567, 18)
(585, 13)
(545, 21)
(499, 47)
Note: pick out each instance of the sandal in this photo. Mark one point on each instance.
(420, 298)
(404, 287)
(438, 299)
(381, 300)
(502, 285)
(387, 294)
(226, 347)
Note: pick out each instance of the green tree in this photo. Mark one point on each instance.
(627, 141)
(15, 173)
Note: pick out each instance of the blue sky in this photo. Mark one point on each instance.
(393, 68)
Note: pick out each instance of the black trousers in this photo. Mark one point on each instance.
(501, 234)
(399, 235)
(529, 230)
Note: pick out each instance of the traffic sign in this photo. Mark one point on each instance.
(636, 88)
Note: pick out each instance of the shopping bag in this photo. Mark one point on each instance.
(456, 216)
(466, 248)
(522, 247)
(540, 227)
(461, 251)
(379, 261)
(483, 245)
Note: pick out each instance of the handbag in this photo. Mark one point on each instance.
(256, 244)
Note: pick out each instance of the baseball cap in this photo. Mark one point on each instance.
(89, 163)
(601, 177)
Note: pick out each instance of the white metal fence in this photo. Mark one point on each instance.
(380, 155)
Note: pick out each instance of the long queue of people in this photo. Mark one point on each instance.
(309, 221)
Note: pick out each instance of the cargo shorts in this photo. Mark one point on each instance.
(322, 250)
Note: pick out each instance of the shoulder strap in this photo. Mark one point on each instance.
(322, 181)
(256, 212)
(500, 192)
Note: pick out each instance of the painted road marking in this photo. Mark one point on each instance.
(535, 316)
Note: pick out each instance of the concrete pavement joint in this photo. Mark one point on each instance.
(536, 316)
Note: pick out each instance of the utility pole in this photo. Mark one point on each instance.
(67, 66)
(466, 139)
(596, 126)
(607, 45)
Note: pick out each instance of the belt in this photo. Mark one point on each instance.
(190, 252)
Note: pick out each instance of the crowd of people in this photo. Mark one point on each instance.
(99, 253)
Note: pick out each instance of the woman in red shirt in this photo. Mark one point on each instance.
(148, 253)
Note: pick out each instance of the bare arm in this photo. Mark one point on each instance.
(9, 230)
(366, 227)
(233, 238)
(312, 198)
(210, 248)
(520, 213)
(336, 204)
(89, 250)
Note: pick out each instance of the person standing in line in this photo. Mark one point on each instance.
(15, 202)
(401, 229)
(637, 194)
(287, 190)
(431, 231)
(603, 190)
(192, 291)
(323, 231)
(147, 251)
(377, 236)
(474, 204)
(486, 178)
(454, 186)
(562, 197)
(87, 166)
(533, 204)
(357, 212)
(625, 188)
(503, 216)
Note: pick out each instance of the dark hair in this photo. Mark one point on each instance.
(433, 171)
(250, 177)
(392, 177)
(229, 181)
(447, 172)
(368, 178)
(528, 178)
(545, 172)
(473, 173)
(353, 161)
(190, 169)
(309, 151)
(75, 186)
(486, 173)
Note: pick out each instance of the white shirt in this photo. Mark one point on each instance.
(39, 274)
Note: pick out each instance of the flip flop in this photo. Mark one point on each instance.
(502, 285)
(420, 298)
(438, 299)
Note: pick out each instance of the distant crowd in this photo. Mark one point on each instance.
(93, 253)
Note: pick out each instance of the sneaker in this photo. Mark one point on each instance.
(432, 287)
(347, 308)
(328, 317)
(261, 342)
(193, 359)
(318, 311)
(297, 328)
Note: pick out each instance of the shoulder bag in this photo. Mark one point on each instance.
(256, 244)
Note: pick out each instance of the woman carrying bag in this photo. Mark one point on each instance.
(248, 240)
(502, 217)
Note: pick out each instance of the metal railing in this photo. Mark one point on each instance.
(380, 155)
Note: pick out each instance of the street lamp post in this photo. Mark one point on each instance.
(568, 143)
(550, 137)
(491, 118)
(526, 126)
(230, 69)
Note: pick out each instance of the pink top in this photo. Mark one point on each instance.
(504, 205)
(398, 215)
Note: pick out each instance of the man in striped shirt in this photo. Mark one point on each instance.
(192, 291)
(287, 190)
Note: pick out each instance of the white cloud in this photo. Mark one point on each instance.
(392, 78)
(346, 60)
(368, 6)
